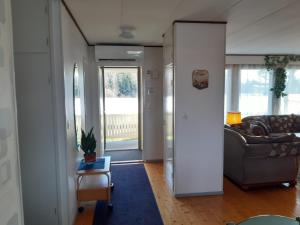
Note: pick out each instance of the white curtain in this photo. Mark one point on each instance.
(228, 90)
(255, 97)
(247, 89)
(291, 103)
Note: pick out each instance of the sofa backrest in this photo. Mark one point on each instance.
(296, 123)
(281, 123)
(278, 123)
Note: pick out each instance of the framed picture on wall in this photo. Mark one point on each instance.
(200, 79)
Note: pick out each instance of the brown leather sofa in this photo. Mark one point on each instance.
(267, 157)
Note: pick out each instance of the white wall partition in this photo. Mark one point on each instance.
(198, 122)
(168, 107)
(10, 191)
(75, 50)
(152, 99)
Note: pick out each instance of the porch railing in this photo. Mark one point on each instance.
(122, 127)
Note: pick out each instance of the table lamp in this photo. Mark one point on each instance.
(233, 118)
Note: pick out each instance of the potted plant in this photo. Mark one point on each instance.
(88, 146)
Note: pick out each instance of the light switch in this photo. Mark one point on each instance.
(185, 116)
(147, 105)
(151, 91)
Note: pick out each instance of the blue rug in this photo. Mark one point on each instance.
(132, 198)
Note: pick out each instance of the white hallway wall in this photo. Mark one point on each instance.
(75, 50)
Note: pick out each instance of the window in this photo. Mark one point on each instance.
(78, 101)
(255, 97)
(121, 104)
(247, 89)
(291, 103)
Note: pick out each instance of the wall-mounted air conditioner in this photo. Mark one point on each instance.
(119, 53)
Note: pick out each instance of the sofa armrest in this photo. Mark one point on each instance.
(234, 153)
(234, 137)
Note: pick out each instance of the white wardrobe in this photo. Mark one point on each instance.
(193, 118)
(41, 121)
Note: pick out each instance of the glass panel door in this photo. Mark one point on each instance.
(121, 105)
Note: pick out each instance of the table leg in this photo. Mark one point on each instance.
(109, 203)
(80, 208)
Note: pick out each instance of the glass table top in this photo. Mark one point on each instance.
(269, 220)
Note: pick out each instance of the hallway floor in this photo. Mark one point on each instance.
(124, 155)
(234, 205)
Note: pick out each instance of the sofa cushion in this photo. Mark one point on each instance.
(281, 138)
(285, 149)
(257, 139)
(277, 138)
(273, 150)
(260, 120)
(281, 123)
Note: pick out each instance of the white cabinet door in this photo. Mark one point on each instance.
(31, 25)
(36, 136)
(10, 191)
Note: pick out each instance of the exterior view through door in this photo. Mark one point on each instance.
(121, 113)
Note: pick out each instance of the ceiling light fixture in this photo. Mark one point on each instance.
(126, 32)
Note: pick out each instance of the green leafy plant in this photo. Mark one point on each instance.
(279, 83)
(88, 142)
(278, 65)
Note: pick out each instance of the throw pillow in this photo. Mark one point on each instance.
(258, 130)
(262, 120)
(264, 126)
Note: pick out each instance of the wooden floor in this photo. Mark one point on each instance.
(234, 205)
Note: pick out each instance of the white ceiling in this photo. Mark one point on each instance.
(254, 26)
